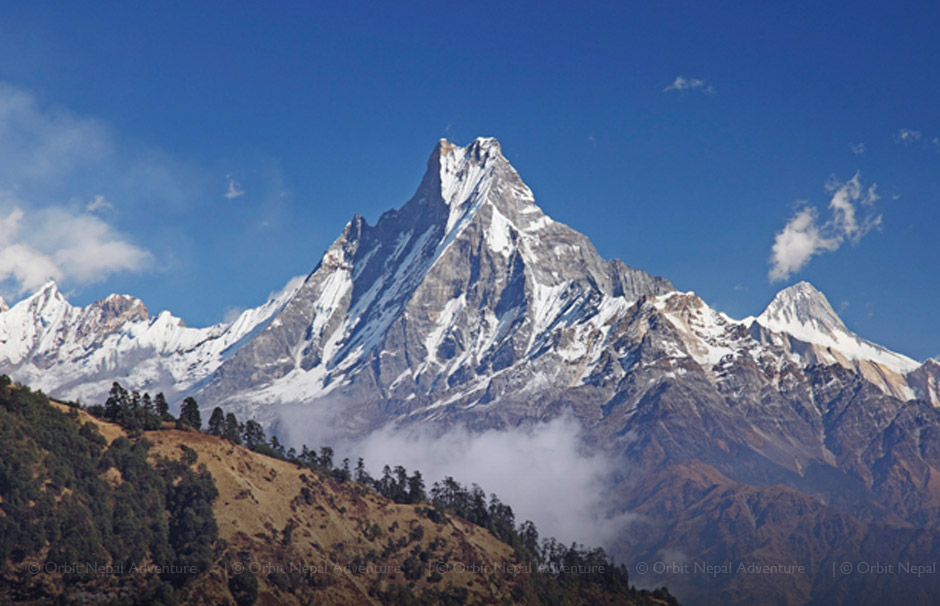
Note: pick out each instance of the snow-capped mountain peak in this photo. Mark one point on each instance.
(464, 280)
(804, 312)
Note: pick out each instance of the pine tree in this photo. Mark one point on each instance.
(326, 458)
(216, 422)
(276, 446)
(254, 434)
(416, 488)
(189, 413)
(163, 409)
(117, 402)
(362, 476)
(232, 431)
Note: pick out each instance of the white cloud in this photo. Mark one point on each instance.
(682, 83)
(86, 248)
(234, 189)
(60, 244)
(852, 215)
(99, 203)
(908, 136)
(857, 148)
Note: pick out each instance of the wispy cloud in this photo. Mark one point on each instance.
(852, 215)
(681, 83)
(230, 314)
(234, 189)
(908, 136)
(99, 203)
(857, 148)
(39, 143)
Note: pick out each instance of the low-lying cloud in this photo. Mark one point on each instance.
(541, 471)
(852, 214)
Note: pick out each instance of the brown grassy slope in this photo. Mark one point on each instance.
(336, 528)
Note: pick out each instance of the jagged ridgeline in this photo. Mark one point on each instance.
(139, 507)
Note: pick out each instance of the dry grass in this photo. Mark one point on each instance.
(335, 527)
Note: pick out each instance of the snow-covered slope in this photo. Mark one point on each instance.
(76, 352)
(805, 314)
(801, 320)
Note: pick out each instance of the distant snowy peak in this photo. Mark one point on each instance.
(3, 305)
(804, 313)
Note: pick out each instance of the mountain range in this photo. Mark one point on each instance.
(469, 307)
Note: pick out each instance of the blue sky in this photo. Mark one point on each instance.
(124, 126)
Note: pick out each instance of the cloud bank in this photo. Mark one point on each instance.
(540, 471)
(852, 215)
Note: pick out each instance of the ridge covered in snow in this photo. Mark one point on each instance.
(804, 313)
(77, 352)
